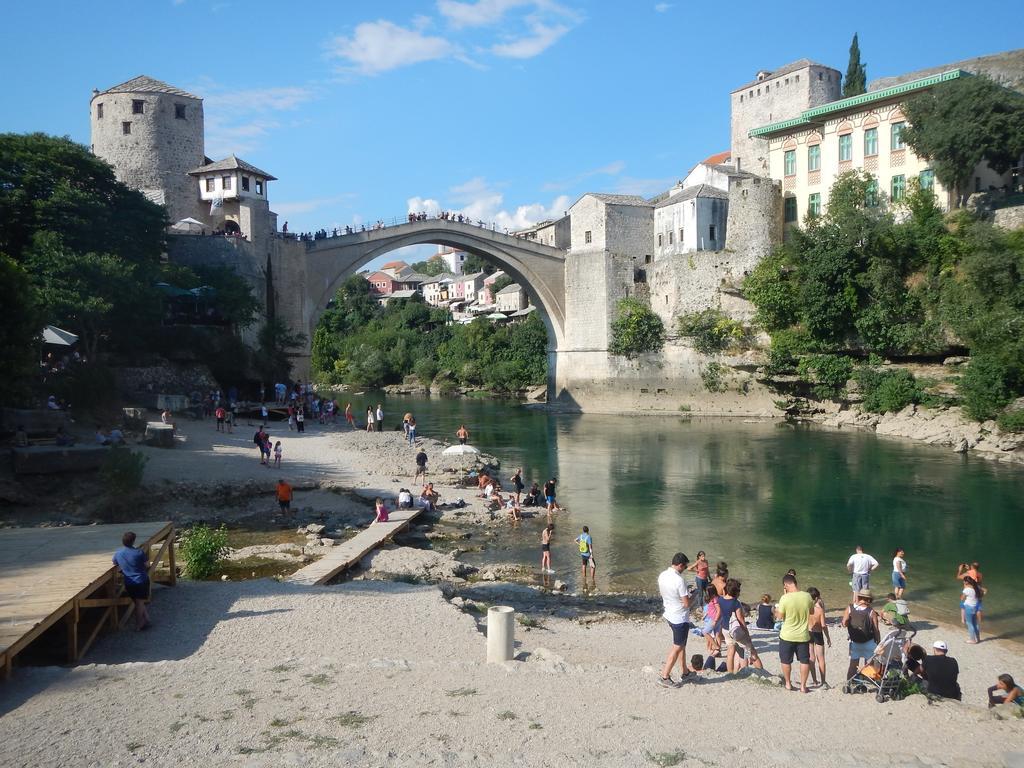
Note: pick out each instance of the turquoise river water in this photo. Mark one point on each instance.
(763, 496)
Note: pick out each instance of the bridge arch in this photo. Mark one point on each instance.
(539, 269)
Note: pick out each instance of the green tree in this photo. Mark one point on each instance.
(636, 329)
(959, 123)
(433, 266)
(19, 331)
(856, 81)
(277, 345)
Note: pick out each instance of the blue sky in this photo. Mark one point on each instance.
(508, 109)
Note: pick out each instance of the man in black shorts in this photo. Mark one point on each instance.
(794, 638)
(676, 601)
(421, 466)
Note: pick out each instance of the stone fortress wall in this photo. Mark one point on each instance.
(165, 141)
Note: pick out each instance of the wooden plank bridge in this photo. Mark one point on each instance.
(346, 554)
(54, 575)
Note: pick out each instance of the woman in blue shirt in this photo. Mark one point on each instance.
(134, 566)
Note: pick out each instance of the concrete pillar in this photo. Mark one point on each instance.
(500, 633)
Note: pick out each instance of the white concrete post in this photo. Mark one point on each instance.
(500, 633)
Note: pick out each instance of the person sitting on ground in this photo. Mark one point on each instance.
(134, 566)
(533, 496)
(428, 497)
(765, 613)
(941, 672)
(1005, 691)
(913, 667)
(63, 438)
(482, 482)
(895, 612)
(116, 436)
(380, 511)
(21, 437)
(101, 436)
(404, 498)
(52, 404)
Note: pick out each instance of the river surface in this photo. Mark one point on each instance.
(764, 497)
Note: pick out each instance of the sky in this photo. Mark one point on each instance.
(506, 110)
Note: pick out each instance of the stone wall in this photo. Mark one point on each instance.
(164, 379)
(161, 149)
(755, 220)
(1010, 218)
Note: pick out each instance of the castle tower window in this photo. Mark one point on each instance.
(225, 183)
(138, 106)
(680, 236)
(259, 186)
(99, 111)
(659, 241)
(179, 111)
(126, 128)
(711, 233)
(586, 237)
(211, 184)
(671, 237)
(245, 183)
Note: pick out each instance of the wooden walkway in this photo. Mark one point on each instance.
(51, 575)
(349, 552)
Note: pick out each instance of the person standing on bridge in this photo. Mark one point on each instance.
(134, 566)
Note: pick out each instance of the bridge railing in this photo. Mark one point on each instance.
(310, 238)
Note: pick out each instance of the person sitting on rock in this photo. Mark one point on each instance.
(404, 498)
(428, 497)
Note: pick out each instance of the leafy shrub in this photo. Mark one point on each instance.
(636, 329)
(787, 347)
(711, 330)
(202, 549)
(773, 291)
(1011, 421)
(425, 370)
(122, 470)
(828, 372)
(985, 386)
(712, 375)
(886, 391)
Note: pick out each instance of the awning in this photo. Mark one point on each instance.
(188, 225)
(58, 336)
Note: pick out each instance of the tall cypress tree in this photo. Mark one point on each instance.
(856, 73)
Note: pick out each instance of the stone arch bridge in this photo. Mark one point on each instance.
(538, 268)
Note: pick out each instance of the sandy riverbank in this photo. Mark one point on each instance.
(380, 673)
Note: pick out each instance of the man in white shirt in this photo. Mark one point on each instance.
(861, 566)
(674, 595)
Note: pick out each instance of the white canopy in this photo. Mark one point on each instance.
(188, 225)
(54, 335)
(459, 450)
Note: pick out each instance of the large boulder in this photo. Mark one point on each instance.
(418, 564)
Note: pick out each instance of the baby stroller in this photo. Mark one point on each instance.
(884, 672)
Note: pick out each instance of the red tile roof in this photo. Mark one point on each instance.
(718, 159)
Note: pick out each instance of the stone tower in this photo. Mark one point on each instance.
(152, 135)
(773, 96)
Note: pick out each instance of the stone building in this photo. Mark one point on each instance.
(235, 194)
(776, 95)
(809, 150)
(152, 135)
(511, 298)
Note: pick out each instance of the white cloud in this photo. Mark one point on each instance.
(662, 7)
(423, 205)
(613, 168)
(541, 38)
(479, 14)
(482, 201)
(238, 119)
(271, 99)
(379, 46)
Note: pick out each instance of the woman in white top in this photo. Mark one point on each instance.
(969, 609)
(899, 572)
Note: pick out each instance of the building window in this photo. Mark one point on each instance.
(789, 162)
(897, 136)
(926, 179)
(126, 128)
(259, 186)
(741, 98)
(179, 111)
(870, 142)
(659, 241)
(211, 184)
(245, 183)
(871, 197)
(814, 204)
(225, 183)
(99, 111)
(586, 236)
(814, 157)
(711, 232)
(899, 188)
(671, 237)
(845, 147)
(789, 210)
(680, 237)
(138, 106)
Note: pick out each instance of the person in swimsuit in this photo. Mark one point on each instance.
(545, 548)
(517, 484)
(1005, 691)
(899, 572)
(818, 628)
(700, 567)
(462, 434)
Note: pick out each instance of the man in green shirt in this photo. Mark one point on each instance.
(794, 637)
